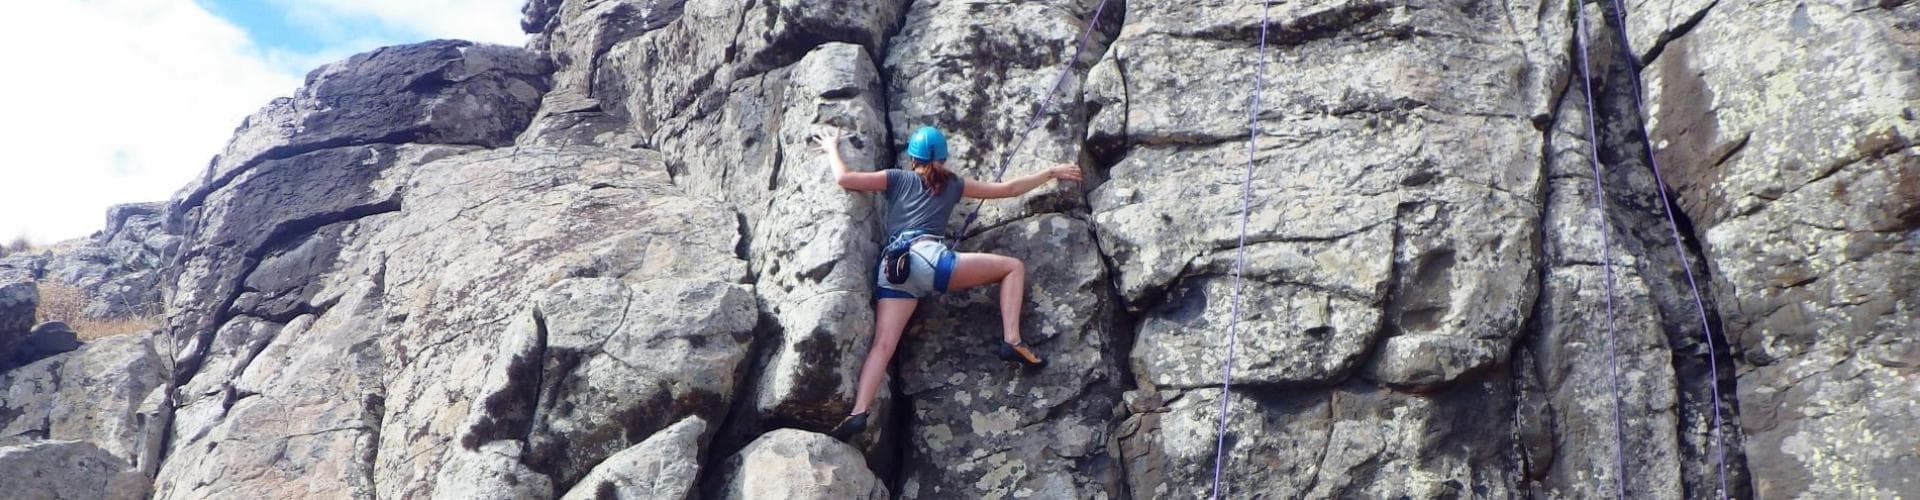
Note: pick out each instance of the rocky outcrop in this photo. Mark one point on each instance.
(602, 345)
(367, 316)
(116, 271)
(68, 469)
(611, 265)
(441, 92)
(800, 465)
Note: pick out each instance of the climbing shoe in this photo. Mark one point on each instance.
(850, 426)
(1019, 353)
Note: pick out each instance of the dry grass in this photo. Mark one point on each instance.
(20, 244)
(68, 304)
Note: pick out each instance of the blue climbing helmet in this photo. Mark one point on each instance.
(927, 145)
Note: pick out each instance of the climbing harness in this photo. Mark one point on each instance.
(895, 254)
(1673, 224)
(1034, 122)
(1606, 254)
(1240, 257)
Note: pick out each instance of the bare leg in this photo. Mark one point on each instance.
(890, 319)
(975, 269)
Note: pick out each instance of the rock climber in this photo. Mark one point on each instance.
(917, 261)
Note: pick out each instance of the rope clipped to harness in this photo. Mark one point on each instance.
(1606, 255)
(1046, 104)
(1673, 225)
(1240, 256)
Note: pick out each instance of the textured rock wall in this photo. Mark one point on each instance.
(1788, 133)
(610, 265)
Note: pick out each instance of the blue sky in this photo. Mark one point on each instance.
(124, 101)
(267, 24)
(291, 46)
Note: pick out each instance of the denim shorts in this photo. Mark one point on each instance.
(930, 265)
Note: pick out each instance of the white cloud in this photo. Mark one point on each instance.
(114, 101)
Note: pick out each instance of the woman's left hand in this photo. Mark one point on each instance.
(827, 139)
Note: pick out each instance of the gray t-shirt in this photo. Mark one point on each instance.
(911, 206)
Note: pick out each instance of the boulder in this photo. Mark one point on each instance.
(665, 466)
(68, 469)
(46, 340)
(19, 301)
(796, 464)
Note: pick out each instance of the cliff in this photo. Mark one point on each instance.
(608, 264)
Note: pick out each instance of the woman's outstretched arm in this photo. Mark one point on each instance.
(1020, 186)
(828, 140)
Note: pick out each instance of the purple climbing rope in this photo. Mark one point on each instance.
(1240, 257)
(1606, 255)
(1673, 224)
(1046, 104)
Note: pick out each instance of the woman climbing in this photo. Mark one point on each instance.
(917, 262)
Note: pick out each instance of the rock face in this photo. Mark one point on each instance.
(610, 264)
(977, 425)
(1809, 212)
(1394, 238)
(68, 469)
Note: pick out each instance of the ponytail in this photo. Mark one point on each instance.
(933, 174)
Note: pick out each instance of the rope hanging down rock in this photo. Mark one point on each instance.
(1606, 253)
(1240, 256)
(1673, 225)
(1046, 104)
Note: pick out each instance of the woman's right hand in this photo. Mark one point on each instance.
(1065, 172)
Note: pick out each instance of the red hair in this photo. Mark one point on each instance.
(934, 174)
